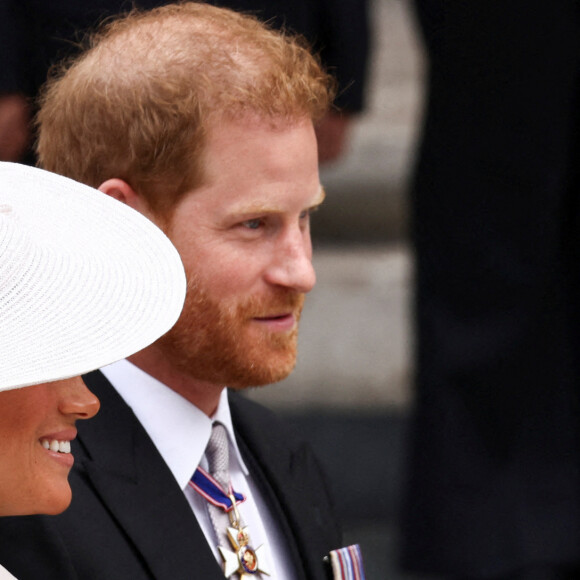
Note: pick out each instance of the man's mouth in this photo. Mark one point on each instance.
(56, 445)
(278, 322)
(274, 316)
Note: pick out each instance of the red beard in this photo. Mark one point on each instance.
(220, 343)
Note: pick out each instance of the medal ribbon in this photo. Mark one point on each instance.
(213, 492)
(346, 563)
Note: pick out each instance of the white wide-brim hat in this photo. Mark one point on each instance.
(84, 279)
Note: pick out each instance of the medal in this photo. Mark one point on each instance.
(243, 560)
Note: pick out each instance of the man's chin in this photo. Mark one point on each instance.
(260, 376)
(239, 358)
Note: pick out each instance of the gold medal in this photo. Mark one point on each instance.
(244, 560)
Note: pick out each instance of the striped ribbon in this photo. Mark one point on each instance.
(211, 490)
(346, 563)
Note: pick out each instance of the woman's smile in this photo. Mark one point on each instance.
(58, 447)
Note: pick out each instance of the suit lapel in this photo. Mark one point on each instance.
(291, 481)
(138, 488)
(268, 489)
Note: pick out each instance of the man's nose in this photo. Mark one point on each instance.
(291, 265)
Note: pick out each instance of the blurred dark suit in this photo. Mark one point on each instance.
(494, 478)
(35, 34)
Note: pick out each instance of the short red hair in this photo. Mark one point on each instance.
(138, 102)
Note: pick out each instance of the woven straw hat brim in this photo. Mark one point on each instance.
(84, 280)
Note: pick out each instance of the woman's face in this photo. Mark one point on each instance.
(37, 425)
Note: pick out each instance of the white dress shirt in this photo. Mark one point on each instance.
(181, 431)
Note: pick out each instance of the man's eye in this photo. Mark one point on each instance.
(252, 224)
(308, 212)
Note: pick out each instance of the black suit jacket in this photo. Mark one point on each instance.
(130, 520)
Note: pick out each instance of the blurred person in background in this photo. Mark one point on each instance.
(35, 34)
(494, 480)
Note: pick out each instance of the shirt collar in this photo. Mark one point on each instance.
(179, 430)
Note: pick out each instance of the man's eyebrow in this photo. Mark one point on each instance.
(266, 208)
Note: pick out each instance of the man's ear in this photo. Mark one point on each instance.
(124, 193)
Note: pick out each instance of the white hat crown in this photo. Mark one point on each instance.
(84, 279)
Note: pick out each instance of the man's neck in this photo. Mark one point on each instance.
(204, 395)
